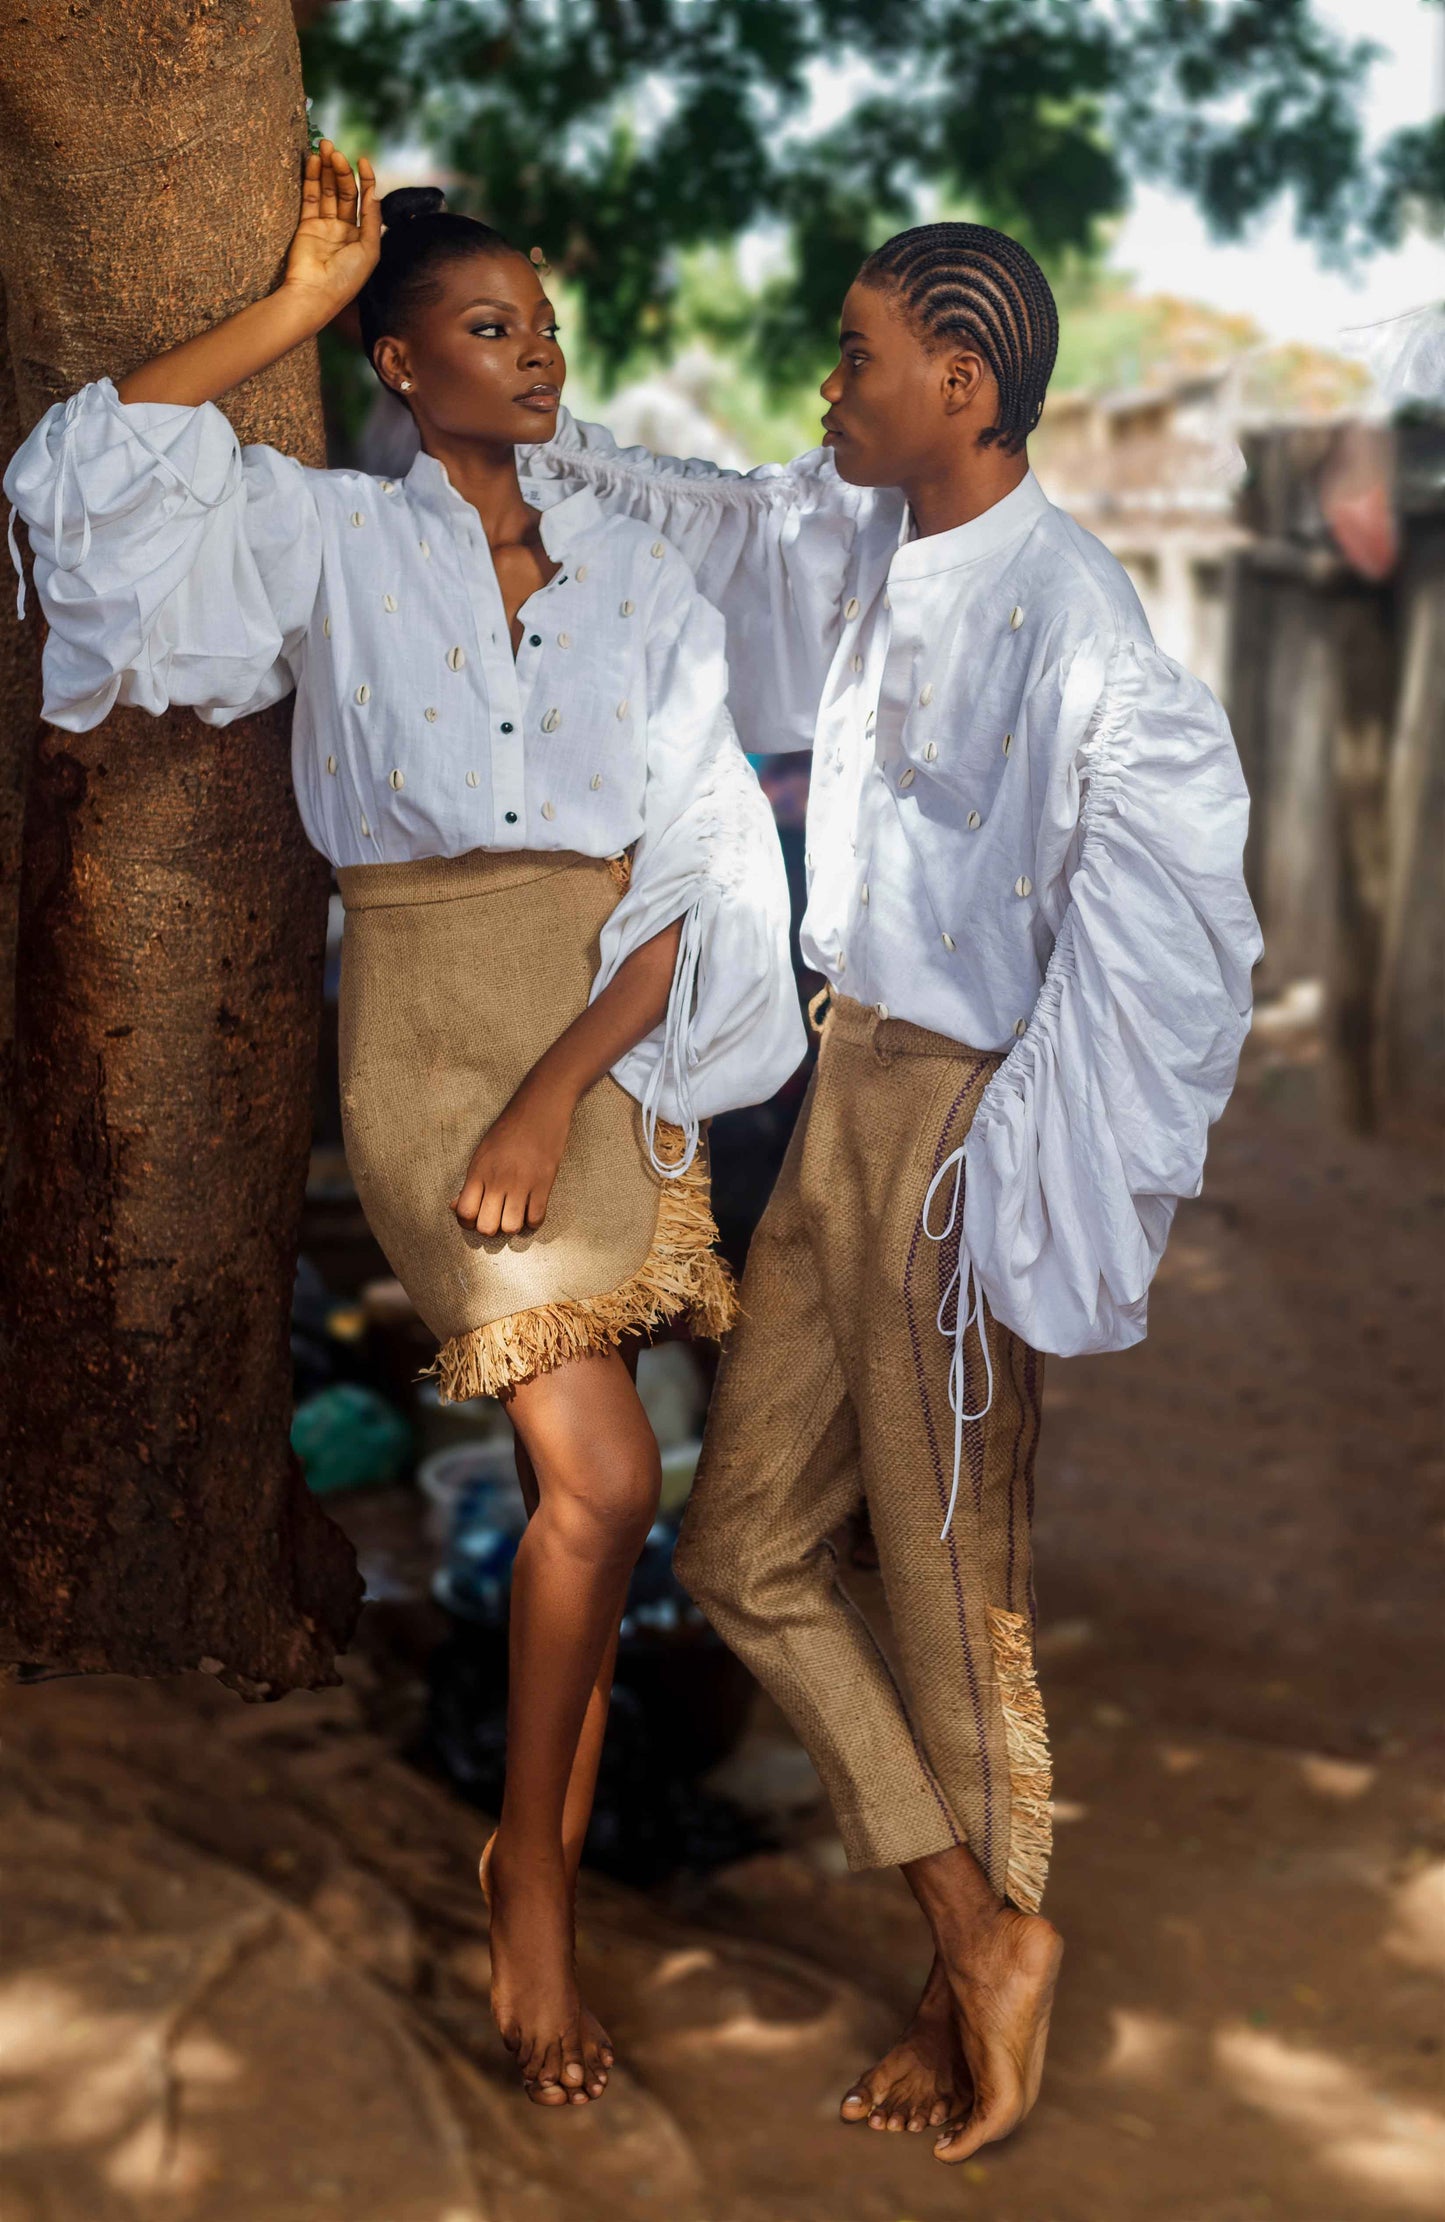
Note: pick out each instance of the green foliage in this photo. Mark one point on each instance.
(624, 135)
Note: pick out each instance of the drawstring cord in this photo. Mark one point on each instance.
(14, 546)
(673, 1059)
(965, 1292)
(66, 470)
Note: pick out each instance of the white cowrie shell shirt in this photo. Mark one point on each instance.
(177, 568)
(1027, 770)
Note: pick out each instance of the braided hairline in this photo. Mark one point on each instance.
(969, 282)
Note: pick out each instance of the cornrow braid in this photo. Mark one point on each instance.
(969, 282)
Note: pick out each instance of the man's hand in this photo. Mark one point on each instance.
(514, 1165)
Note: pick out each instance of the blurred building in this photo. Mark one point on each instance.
(1155, 471)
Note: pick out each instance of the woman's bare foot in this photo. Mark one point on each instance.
(592, 2044)
(924, 2079)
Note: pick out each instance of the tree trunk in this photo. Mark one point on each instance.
(19, 729)
(171, 929)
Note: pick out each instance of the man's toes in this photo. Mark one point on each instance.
(856, 2104)
(574, 2074)
(917, 2120)
(983, 2127)
(940, 2114)
(898, 2119)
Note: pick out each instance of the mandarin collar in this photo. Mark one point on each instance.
(562, 521)
(1007, 520)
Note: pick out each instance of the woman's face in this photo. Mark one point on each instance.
(482, 354)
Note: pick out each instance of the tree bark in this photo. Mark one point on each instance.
(19, 730)
(171, 929)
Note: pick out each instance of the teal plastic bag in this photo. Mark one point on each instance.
(347, 1437)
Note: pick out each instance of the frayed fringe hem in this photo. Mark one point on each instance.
(681, 1275)
(1026, 1735)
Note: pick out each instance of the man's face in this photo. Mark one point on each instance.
(898, 409)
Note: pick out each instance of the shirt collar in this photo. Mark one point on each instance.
(1007, 520)
(562, 521)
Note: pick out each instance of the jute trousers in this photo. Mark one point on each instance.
(834, 1394)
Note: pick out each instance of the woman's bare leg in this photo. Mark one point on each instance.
(582, 1784)
(596, 1467)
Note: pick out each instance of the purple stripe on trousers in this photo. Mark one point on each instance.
(941, 1481)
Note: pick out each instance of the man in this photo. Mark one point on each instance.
(1025, 836)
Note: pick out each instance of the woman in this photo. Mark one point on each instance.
(566, 939)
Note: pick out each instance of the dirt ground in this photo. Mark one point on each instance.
(243, 1974)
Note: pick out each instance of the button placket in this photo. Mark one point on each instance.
(507, 681)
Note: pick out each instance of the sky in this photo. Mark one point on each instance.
(1274, 277)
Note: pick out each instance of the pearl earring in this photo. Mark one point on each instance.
(406, 385)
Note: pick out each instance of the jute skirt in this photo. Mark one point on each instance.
(456, 974)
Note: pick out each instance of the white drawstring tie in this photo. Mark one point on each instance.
(14, 546)
(674, 1058)
(965, 1292)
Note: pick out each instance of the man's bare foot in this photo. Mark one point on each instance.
(923, 2080)
(1002, 1967)
(1003, 1997)
(596, 2053)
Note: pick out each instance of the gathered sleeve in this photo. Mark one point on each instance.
(772, 549)
(174, 566)
(1095, 1125)
(709, 855)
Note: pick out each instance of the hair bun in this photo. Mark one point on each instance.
(410, 201)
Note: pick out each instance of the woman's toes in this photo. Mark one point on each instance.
(855, 2105)
(596, 2079)
(897, 2120)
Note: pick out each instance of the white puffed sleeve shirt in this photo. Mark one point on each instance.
(1026, 828)
(177, 568)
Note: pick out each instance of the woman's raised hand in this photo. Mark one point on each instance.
(338, 239)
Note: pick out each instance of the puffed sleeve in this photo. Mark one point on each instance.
(771, 549)
(173, 565)
(708, 854)
(1095, 1125)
